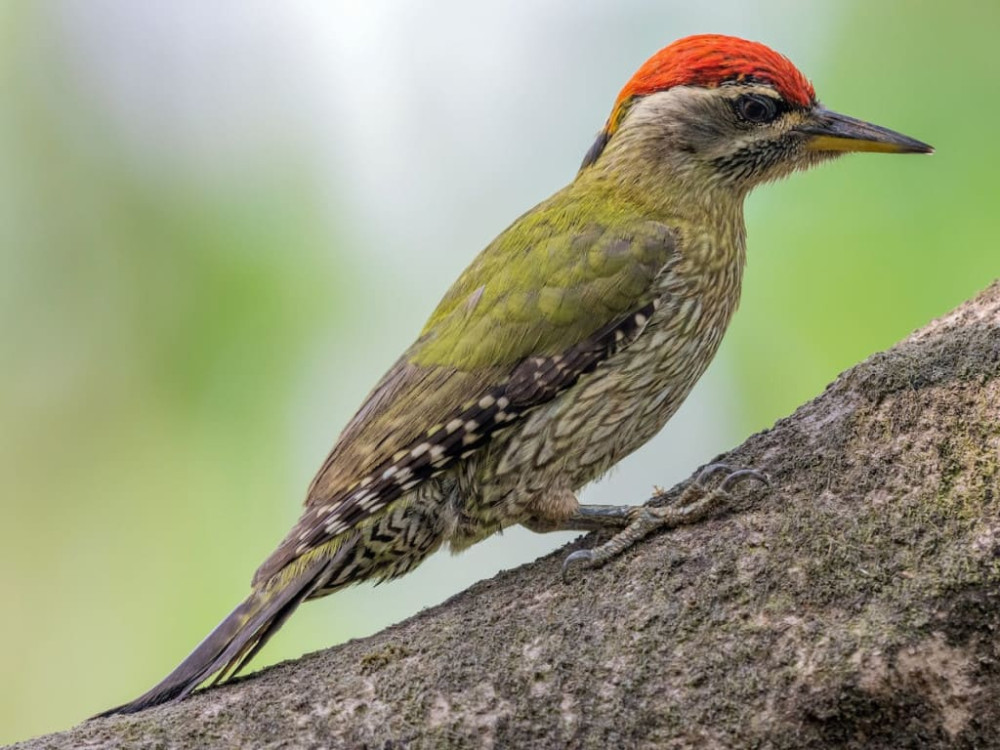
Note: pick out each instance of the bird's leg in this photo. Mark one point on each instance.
(698, 500)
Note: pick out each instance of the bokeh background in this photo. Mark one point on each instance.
(221, 222)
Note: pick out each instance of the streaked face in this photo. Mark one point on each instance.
(745, 134)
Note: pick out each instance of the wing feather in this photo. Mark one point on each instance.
(499, 345)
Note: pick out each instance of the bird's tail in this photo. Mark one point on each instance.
(236, 639)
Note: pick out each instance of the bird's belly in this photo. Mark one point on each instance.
(591, 426)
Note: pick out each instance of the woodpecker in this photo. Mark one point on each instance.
(567, 343)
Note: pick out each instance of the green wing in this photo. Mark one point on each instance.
(542, 286)
(546, 302)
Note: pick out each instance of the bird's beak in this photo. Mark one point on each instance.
(830, 131)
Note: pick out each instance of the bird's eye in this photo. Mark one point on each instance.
(756, 108)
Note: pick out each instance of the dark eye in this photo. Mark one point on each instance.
(756, 108)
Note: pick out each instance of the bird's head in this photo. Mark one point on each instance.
(730, 112)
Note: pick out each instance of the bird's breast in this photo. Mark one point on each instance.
(614, 410)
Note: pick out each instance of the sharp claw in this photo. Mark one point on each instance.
(706, 473)
(581, 554)
(738, 476)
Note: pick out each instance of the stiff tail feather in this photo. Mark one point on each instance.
(236, 639)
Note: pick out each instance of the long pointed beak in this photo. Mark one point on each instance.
(830, 131)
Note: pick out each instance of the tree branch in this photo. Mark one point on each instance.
(856, 604)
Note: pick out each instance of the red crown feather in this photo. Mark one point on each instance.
(711, 60)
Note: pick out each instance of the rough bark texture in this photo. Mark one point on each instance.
(855, 605)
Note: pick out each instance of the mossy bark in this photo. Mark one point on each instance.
(857, 604)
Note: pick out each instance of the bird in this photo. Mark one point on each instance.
(565, 345)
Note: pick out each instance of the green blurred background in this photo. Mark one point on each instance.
(220, 223)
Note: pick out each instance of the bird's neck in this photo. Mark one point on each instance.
(636, 174)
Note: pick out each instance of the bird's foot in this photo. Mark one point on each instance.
(698, 500)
